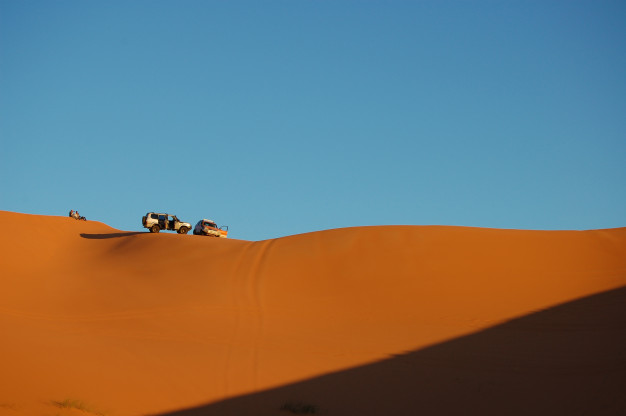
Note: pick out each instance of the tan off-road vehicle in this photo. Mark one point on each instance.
(208, 227)
(156, 222)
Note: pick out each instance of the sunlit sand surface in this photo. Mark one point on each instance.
(355, 321)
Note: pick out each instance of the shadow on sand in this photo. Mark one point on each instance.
(566, 360)
(110, 235)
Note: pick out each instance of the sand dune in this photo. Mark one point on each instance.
(365, 320)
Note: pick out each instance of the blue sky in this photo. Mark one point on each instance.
(284, 117)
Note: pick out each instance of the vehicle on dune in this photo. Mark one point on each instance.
(156, 222)
(210, 228)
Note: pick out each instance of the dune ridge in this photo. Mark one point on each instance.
(135, 323)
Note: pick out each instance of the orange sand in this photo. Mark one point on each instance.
(366, 321)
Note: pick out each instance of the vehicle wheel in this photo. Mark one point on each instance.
(183, 230)
(154, 229)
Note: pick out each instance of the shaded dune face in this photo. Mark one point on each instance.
(563, 360)
(349, 320)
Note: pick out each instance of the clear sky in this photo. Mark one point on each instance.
(285, 117)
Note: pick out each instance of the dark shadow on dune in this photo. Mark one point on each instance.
(110, 235)
(566, 360)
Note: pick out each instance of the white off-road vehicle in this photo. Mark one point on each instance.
(208, 227)
(156, 222)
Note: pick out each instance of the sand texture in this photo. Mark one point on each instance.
(388, 320)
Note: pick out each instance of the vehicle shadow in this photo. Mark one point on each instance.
(110, 235)
(569, 360)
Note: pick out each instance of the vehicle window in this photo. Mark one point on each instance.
(161, 217)
(154, 216)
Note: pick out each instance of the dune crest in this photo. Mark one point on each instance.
(129, 323)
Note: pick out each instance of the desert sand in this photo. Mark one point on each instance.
(381, 320)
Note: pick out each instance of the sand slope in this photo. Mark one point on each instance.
(367, 320)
